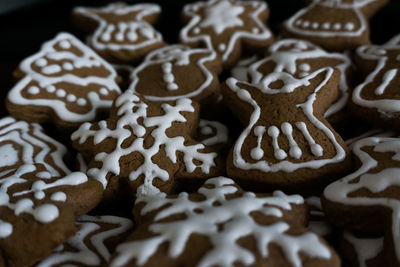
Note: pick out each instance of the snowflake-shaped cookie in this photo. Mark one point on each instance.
(227, 27)
(121, 33)
(65, 83)
(148, 142)
(222, 225)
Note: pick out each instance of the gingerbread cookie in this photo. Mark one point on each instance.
(39, 196)
(93, 244)
(178, 71)
(120, 33)
(377, 99)
(226, 27)
(66, 83)
(368, 200)
(335, 25)
(300, 58)
(286, 142)
(223, 225)
(212, 133)
(146, 144)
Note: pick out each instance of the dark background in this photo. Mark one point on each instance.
(26, 24)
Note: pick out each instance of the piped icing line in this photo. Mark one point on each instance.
(365, 248)
(47, 81)
(35, 151)
(180, 56)
(233, 214)
(221, 135)
(130, 110)
(138, 24)
(190, 11)
(294, 150)
(89, 226)
(339, 191)
(292, 25)
(287, 61)
(307, 108)
(316, 149)
(379, 54)
(257, 153)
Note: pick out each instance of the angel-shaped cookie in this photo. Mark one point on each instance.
(178, 71)
(335, 25)
(368, 200)
(300, 58)
(223, 225)
(65, 83)
(377, 99)
(120, 33)
(286, 142)
(147, 144)
(227, 27)
(40, 198)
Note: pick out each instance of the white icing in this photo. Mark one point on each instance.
(222, 15)
(365, 248)
(287, 61)
(88, 58)
(234, 215)
(374, 182)
(240, 70)
(257, 153)
(168, 57)
(388, 68)
(294, 151)
(219, 137)
(347, 30)
(82, 253)
(35, 148)
(122, 35)
(187, 35)
(130, 110)
(306, 108)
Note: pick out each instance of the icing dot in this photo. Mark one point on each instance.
(168, 77)
(259, 130)
(221, 47)
(71, 98)
(65, 44)
(41, 62)
(8, 155)
(305, 67)
(51, 88)
(167, 67)
(33, 90)
(299, 22)
(59, 196)
(5, 229)
(255, 30)
(196, 30)
(257, 153)
(172, 86)
(349, 26)
(306, 24)
(81, 102)
(315, 25)
(103, 91)
(326, 26)
(337, 26)
(68, 66)
(61, 93)
(317, 150)
(45, 213)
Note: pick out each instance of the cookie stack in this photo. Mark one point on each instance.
(223, 149)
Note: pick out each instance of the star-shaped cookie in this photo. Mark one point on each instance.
(227, 27)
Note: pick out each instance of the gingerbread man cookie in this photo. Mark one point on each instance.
(377, 99)
(121, 33)
(286, 142)
(149, 144)
(368, 200)
(300, 58)
(223, 225)
(66, 83)
(178, 71)
(227, 27)
(93, 244)
(335, 25)
(39, 196)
